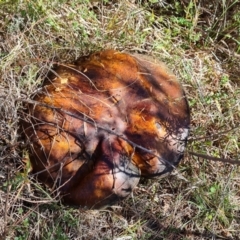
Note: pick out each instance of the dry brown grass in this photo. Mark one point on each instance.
(199, 41)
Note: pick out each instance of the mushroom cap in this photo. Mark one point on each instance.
(101, 123)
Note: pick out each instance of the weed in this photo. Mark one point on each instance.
(199, 41)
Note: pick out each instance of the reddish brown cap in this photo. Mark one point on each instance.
(99, 124)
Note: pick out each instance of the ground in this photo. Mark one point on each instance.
(199, 41)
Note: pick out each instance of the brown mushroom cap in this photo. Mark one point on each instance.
(99, 124)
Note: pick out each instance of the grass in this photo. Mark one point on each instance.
(199, 41)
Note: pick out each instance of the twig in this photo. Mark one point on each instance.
(86, 119)
(214, 135)
(6, 201)
(237, 162)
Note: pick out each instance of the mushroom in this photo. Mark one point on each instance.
(98, 125)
